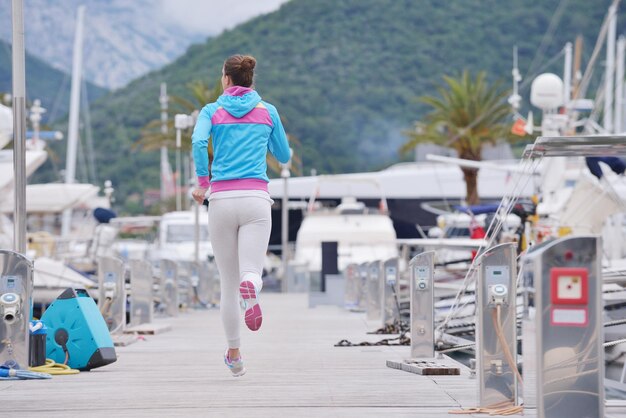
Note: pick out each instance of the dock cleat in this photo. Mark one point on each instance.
(253, 315)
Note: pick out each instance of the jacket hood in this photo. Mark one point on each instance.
(239, 101)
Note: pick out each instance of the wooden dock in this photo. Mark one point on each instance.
(293, 371)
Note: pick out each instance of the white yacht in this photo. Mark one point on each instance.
(409, 189)
(361, 235)
(177, 237)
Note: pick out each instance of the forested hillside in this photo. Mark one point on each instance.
(345, 74)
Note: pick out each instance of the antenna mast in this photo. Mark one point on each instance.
(72, 135)
(609, 80)
(515, 99)
(163, 100)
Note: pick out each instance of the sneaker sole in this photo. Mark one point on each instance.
(239, 374)
(253, 315)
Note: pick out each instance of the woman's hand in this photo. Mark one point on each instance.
(198, 194)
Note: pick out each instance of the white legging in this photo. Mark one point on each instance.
(239, 227)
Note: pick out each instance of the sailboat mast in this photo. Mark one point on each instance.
(610, 70)
(19, 126)
(619, 85)
(515, 99)
(72, 134)
(578, 53)
(567, 75)
(163, 100)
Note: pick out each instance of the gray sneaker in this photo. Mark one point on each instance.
(235, 366)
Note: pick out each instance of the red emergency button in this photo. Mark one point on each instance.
(569, 286)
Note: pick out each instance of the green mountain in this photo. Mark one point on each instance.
(345, 74)
(43, 82)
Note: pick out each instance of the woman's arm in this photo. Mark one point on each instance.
(199, 143)
(278, 143)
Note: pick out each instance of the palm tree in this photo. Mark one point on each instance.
(201, 93)
(468, 113)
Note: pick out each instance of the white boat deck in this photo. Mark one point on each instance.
(293, 371)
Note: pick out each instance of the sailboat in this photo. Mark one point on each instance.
(580, 194)
(45, 202)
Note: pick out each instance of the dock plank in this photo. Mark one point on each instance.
(293, 371)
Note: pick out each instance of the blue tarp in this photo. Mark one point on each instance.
(103, 215)
(616, 164)
(478, 209)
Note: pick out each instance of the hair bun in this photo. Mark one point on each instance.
(248, 63)
(240, 69)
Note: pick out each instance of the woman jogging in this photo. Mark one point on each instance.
(243, 128)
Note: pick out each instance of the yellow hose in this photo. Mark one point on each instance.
(497, 322)
(105, 307)
(51, 367)
(506, 411)
(504, 408)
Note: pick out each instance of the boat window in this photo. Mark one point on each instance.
(185, 233)
(455, 232)
(352, 211)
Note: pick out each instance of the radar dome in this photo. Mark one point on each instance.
(546, 92)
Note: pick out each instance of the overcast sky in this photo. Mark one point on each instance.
(211, 17)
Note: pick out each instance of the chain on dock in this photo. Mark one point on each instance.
(402, 339)
(397, 327)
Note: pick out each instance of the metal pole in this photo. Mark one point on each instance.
(578, 52)
(196, 235)
(515, 98)
(619, 85)
(185, 181)
(567, 75)
(108, 191)
(196, 248)
(284, 226)
(610, 70)
(19, 126)
(163, 99)
(72, 134)
(178, 173)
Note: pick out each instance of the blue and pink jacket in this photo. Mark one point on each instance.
(243, 128)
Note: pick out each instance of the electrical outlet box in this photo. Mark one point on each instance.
(422, 268)
(422, 278)
(112, 293)
(391, 273)
(374, 285)
(391, 305)
(16, 304)
(569, 286)
(496, 326)
(351, 294)
(497, 294)
(563, 329)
